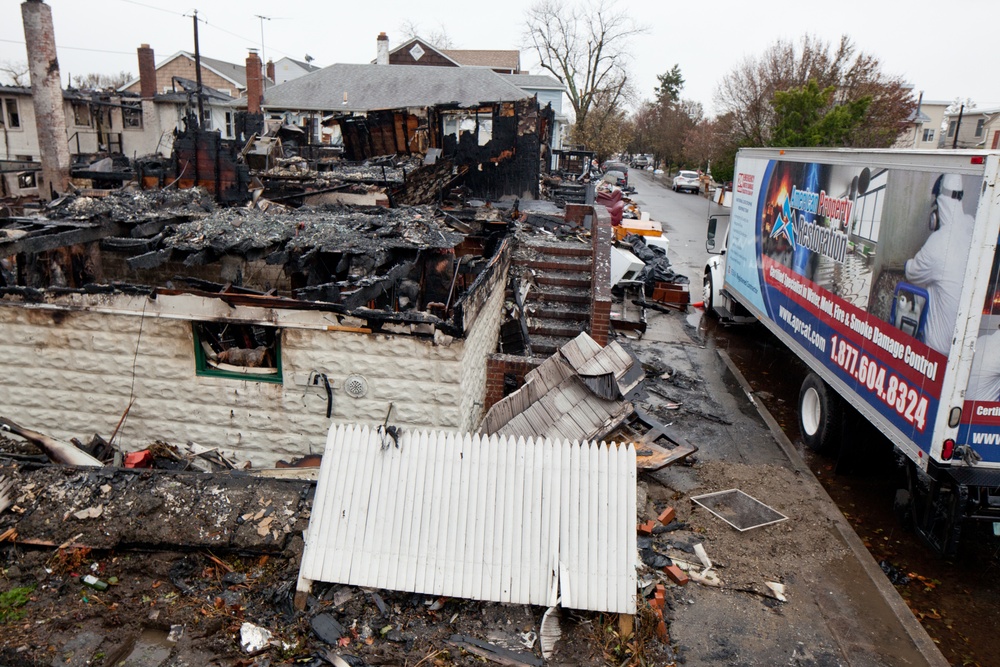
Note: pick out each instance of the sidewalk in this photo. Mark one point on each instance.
(840, 609)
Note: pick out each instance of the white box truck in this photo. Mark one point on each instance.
(879, 269)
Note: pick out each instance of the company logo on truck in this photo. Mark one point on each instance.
(793, 225)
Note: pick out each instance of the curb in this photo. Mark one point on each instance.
(923, 642)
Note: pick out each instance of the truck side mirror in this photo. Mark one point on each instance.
(713, 224)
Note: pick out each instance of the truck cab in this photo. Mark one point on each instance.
(718, 302)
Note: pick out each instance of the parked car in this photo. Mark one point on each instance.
(614, 165)
(642, 161)
(687, 180)
(616, 177)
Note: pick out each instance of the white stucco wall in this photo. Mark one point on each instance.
(69, 372)
(23, 140)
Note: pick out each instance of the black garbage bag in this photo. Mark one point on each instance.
(657, 269)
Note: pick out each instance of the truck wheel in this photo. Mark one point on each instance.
(819, 415)
(708, 290)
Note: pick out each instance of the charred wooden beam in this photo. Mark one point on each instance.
(366, 293)
(150, 260)
(48, 239)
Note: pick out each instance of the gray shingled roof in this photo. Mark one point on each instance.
(372, 87)
(534, 81)
(232, 71)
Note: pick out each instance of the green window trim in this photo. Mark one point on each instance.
(207, 368)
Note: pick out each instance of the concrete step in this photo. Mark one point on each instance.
(561, 264)
(564, 279)
(561, 250)
(546, 346)
(559, 310)
(555, 294)
(544, 326)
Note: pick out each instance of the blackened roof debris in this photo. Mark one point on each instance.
(133, 205)
(327, 229)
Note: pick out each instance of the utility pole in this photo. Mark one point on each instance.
(197, 69)
(917, 125)
(958, 126)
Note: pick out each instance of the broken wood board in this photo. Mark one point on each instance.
(647, 434)
(494, 653)
(651, 456)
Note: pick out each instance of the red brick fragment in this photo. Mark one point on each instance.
(667, 515)
(676, 575)
(646, 528)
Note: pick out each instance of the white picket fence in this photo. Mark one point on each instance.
(470, 516)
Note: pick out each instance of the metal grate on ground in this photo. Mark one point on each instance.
(471, 516)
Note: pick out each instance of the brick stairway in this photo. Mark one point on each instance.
(558, 304)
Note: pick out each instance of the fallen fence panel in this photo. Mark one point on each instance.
(472, 516)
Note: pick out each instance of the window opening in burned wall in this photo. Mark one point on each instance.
(240, 351)
(478, 125)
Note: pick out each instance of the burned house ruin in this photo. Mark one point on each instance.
(176, 320)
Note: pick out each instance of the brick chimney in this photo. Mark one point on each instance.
(147, 72)
(254, 83)
(270, 70)
(47, 97)
(382, 49)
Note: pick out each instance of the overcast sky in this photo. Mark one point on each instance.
(946, 50)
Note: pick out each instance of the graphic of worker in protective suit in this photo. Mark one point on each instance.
(939, 266)
(984, 382)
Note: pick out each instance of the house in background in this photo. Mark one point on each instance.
(976, 128)
(507, 63)
(227, 78)
(924, 129)
(343, 89)
(418, 51)
(96, 122)
(101, 123)
(287, 69)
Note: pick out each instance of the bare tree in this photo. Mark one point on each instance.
(706, 143)
(15, 72)
(606, 128)
(747, 92)
(585, 47)
(98, 81)
(439, 36)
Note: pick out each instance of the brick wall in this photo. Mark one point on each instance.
(69, 374)
(498, 368)
(480, 343)
(600, 312)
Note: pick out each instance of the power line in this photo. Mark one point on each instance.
(75, 48)
(243, 37)
(159, 9)
(212, 25)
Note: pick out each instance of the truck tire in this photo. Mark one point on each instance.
(819, 415)
(708, 292)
